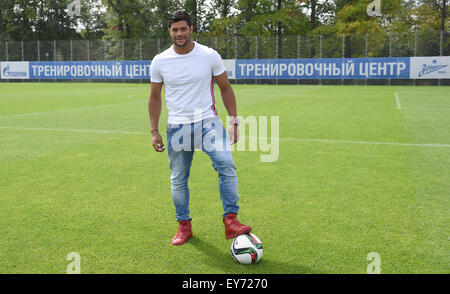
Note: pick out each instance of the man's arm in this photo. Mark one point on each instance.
(154, 111)
(229, 100)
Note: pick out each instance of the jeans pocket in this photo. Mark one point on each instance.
(172, 128)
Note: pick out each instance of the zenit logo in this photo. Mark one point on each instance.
(13, 74)
(427, 69)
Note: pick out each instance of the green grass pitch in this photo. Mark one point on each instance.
(360, 170)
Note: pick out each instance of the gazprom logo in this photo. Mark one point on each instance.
(427, 68)
(7, 73)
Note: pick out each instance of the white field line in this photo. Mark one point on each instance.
(267, 139)
(397, 99)
(399, 106)
(426, 108)
(366, 142)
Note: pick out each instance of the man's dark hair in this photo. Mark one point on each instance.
(179, 16)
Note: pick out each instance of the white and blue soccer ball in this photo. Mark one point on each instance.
(247, 249)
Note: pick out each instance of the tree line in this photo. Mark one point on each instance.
(129, 19)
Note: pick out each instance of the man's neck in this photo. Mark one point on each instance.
(184, 50)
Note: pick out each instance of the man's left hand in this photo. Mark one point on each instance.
(233, 131)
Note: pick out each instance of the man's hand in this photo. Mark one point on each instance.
(157, 142)
(233, 130)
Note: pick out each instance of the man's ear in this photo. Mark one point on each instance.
(192, 28)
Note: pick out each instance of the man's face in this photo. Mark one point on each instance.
(180, 33)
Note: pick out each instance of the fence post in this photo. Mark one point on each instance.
(54, 53)
(104, 56)
(343, 54)
(367, 45)
(441, 48)
(415, 50)
(140, 55)
(6, 52)
(276, 54)
(298, 53)
(320, 46)
(123, 49)
(256, 53)
(39, 54)
(390, 44)
(71, 54)
(235, 48)
(159, 45)
(415, 43)
(276, 46)
(256, 47)
(123, 55)
(390, 51)
(38, 51)
(104, 50)
(23, 57)
(367, 53)
(320, 53)
(88, 50)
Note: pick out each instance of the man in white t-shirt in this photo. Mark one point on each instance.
(188, 70)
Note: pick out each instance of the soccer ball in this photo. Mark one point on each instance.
(247, 249)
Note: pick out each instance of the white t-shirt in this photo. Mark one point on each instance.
(188, 82)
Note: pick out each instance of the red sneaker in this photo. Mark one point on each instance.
(233, 227)
(183, 234)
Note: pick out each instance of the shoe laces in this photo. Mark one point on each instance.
(234, 220)
(184, 227)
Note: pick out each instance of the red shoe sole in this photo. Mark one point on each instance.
(183, 241)
(238, 233)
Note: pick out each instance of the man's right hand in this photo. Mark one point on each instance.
(157, 143)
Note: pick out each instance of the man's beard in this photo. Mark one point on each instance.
(188, 39)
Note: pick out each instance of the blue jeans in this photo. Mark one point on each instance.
(210, 136)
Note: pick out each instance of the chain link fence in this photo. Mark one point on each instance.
(243, 47)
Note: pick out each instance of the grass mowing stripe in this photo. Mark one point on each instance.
(67, 109)
(75, 130)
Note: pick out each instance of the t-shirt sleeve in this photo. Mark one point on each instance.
(217, 66)
(155, 72)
